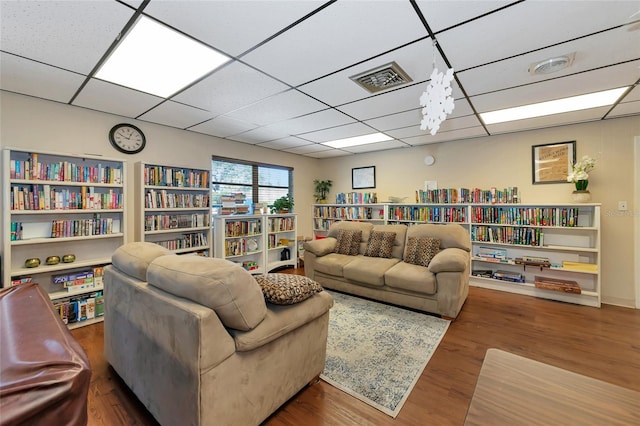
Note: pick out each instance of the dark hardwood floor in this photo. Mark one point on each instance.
(601, 343)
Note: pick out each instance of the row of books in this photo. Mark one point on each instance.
(536, 216)
(83, 280)
(175, 177)
(508, 235)
(276, 241)
(348, 213)
(428, 214)
(281, 224)
(356, 198)
(239, 228)
(233, 204)
(240, 246)
(188, 240)
(80, 308)
(510, 276)
(170, 200)
(320, 224)
(64, 228)
(156, 222)
(43, 197)
(63, 171)
(493, 195)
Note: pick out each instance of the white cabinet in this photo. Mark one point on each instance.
(256, 242)
(56, 205)
(175, 208)
(549, 251)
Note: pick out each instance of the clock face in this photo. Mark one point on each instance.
(127, 138)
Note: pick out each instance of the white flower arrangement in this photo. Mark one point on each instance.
(579, 171)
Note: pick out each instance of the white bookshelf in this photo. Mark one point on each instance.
(56, 204)
(174, 208)
(281, 234)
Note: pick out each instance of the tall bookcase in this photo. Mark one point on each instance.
(174, 206)
(55, 205)
(257, 242)
(544, 250)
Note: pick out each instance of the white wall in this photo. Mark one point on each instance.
(30, 123)
(499, 161)
(505, 160)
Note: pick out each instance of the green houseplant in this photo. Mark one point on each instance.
(321, 189)
(283, 204)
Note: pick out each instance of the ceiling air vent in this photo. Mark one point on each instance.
(552, 64)
(382, 78)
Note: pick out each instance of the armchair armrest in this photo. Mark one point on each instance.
(449, 260)
(321, 247)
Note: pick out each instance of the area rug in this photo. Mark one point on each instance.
(376, 352)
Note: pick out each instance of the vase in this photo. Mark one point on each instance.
(581, 196)
(581, 185)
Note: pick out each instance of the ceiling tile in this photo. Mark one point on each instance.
(288, 142)
(527, 26)
(279, 107)
(107, 97)
(471, 132)
(328, 154)
(223, 127)
(590, 53)
(577, 84)
(231, 26)
(36, 79)
(306, 149)
(176, 115)
(72, 35)
(626, 108)
(416, 60)
(444, 14)
(233, 86)
(312, 122)
(348, 32)
(396, 121)
(261, 134)
(341, 132)
(448, 125)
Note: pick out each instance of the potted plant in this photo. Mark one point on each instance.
(321, 189)
(283, 204)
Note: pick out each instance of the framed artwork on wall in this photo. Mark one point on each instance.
(363, 177)
(550, 163)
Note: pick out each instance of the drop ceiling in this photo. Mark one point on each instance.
(288, 84)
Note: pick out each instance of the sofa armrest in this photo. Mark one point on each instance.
(449, 260)
(321, 247)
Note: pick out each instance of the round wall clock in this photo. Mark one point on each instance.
(127, 138)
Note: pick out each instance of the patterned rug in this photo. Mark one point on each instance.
(376, 352)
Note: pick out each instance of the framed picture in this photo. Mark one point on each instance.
(363, 177)
(550, 163)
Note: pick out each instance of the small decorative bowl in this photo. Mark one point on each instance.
(32, 263)
(68, 258)
(52, 260)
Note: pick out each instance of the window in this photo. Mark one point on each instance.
(236, 183)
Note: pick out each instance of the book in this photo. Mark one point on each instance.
(556, 284)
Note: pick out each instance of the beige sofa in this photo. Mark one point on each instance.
(196, 342)
(439, 288)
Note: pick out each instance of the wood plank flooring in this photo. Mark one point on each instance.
(601, 343)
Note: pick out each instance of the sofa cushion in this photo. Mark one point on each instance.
(380, 244)
(287, 289)
(348, 225)
(450, 234)
(368, 270)
(134, 258)
(398, 244)
(219, 284)
(320, 247)
(333, 263)
(348, 242)
(406, 276)
(420, 250)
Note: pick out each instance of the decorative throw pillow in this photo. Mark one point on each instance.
(380, 244)
(348, 242)
(287, 289)
(420, 250)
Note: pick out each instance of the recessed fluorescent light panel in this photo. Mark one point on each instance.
(358, 140)
(558, 106)
(155, 59)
